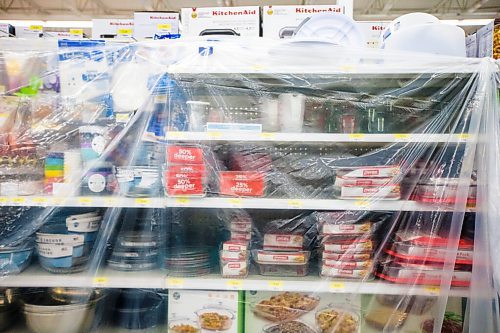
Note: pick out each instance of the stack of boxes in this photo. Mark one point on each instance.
(234, 256)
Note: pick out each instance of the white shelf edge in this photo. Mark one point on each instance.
(35, 276)
(315, 137)
(224, 202)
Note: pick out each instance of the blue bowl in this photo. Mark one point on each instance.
(14, 260)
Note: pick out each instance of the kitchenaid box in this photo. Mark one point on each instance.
(372, 32)
(112, 28)
(231, 21)
(276, 312)
(205, 311)
(149, 24)
(282, 21)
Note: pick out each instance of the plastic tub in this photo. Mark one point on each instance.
(14, 260)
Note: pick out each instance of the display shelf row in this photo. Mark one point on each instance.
(315, 137)
(35, 276)
(235, 203)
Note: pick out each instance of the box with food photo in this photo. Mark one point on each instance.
(295, 312)
(409, 314)
(201, 311)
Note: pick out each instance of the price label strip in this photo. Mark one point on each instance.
(276, 285)
(337, 286)
(235, 202)
(433, 290)
(18, 200)
(143, 202)
(124, 33)
(182, 201)
(235, 284)
(174, 283)
(295, 204)
(100, 281)
(357, 137)
(85, 201)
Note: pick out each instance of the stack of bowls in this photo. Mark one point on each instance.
(135, 251)
(64, 245)
(46, 314)
(8, 308)
(139, 181)
(137, 309)
(14, 259)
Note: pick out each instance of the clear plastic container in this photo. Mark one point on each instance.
(293, 270)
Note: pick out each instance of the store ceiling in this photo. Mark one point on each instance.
(364, 9)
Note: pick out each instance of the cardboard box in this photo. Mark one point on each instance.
(112, 28)
(188, 306)
(282, 21)
(239, 21)
(149, 24)
(471, 46)
(487, 44)
(372, 32)
(256, 321)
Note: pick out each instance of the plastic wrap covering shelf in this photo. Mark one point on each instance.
(240, 185)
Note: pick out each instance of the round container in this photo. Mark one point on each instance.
(138, 309)
(215, 318)
(45, 315)
(93, 141)
(14, 260)
(99, 180)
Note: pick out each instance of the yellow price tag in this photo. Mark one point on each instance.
(143, 201)
(433, 290)
(175, 283)
(100, 281)
(122, 117)
(235, 202)
(177, 135)
(123, 32)
(295, 203)
(160, 99)
(235, 284)
(3, 200)
(336, 286)
(18, 200)
(76, 32)
(362, 203)
(258, 67)
(3, 115)
(214, 135)
(110, 201)
(164, 27)
(276, 285)
(402, 137)
(182, 201)
(37, 28)
(267, 136)
(463, 136)
(356, 136)
(40, 200)
(85, 201)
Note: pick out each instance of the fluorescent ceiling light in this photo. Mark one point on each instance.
(51, 24)
(467, 22)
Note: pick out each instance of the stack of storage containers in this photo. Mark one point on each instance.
(346, 244)
(234, 256)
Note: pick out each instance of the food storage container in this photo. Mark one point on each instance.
(86, 225)
(350, 246)
(215, 318)
(344, 264)
(281, 257)
(138, 309)
(334, 319)
(294, 270)
(233, 255)
(15, 259)
(381, 171)
(345, 273)
(421, 274)
(388, 192)
(289, 327)
(326, 255)
(183, 325)
(234, 268)
(283, 242)
(138, 181)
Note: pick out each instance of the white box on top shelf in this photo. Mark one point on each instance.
(101, 28)
(147, 24)
(282, 21)
(240, 21)
(372, 32)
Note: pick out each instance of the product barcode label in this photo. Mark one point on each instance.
(54, 250)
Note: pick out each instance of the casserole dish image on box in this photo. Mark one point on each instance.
(332, 319)
(215, 318)
(183, 325)
(293, 326)
(285, 306)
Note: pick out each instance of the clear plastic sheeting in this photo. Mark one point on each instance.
(240, 185)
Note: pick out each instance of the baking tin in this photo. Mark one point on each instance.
(138, 309)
